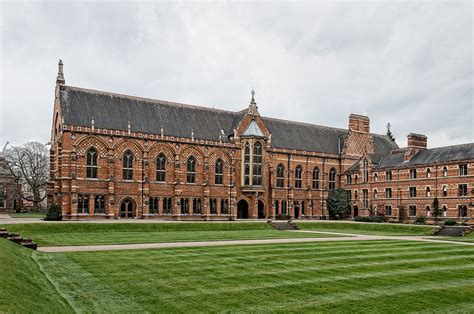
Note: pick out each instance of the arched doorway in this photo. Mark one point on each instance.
(127, 209)
(242, 209)
(356, 211)
(296, 208)
(261, 210)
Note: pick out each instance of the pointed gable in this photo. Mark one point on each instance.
(253, 130)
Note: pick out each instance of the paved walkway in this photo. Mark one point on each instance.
(344, 237)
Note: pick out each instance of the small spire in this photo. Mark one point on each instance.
(389, 132)
(253, 109)
(60, 79)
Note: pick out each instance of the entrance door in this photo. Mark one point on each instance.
(356, 211)
(297, 210)
(242, 209)
(261, 210)
(127, 210)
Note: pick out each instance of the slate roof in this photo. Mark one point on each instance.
(114, 111)
(436, 155)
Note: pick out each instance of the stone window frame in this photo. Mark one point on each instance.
(298, 177)
(428, 191)
(463, 189)
(388, 193)
(127, 165)
(191, 163)
(153, 205)
(92, 167)
(428, 172)
(410, 208)
(365, 198)
(463, 170)
(184, 206)
(161, 163)
(412, 191)
(375, 193)
(388, 213)
(280, 176)
(315, 181)
(83, 203)
(197, 206)
(365, 170)
(219, 172)
(224, 206)
(213, 206)
(445, 172)
(413, 174)
(444, 190)
(167, 205)
(257, 164)
(100, 204)
(332, 179)
(388, 175)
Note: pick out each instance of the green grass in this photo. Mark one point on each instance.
(342, 277)
(468, 238)
(52, 234)
(23, 286)
(26, 215)
(367, 228)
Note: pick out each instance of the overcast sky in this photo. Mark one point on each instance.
(410, 64)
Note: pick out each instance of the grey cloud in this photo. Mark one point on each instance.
(407, 63)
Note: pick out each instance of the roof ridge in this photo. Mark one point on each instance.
(150, 100)
(305, 123)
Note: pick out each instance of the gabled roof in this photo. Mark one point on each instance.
(114, 111)
(253, 130)
(436, 155)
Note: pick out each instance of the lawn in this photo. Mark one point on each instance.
(55, 234)
(367, 228)
(342, 277)
(26, 215)
(23, 287)
(468, 238)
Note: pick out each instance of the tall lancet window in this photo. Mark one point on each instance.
(91, 163)
(247, 164)
(127, 170)
(257, 164)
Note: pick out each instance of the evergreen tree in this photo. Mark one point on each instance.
(338, 204)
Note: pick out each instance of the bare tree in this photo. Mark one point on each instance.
(29, 163)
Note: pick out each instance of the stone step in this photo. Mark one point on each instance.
(453, 231)
(283, 225)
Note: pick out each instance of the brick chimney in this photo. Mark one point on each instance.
(359, 123)
(416, 142)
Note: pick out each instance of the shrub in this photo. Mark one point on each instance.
(420, 220)
(450, 222)
(378, 219)
(53, 213)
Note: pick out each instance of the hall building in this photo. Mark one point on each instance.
(117, 156)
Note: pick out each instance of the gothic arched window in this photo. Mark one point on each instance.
(366, 171)
(219, 170)
(191, 170)
(445, 172)
(127, 166)
(280, 176)
(315, 178)
(247, 164)
(257, 164)
(298, 177)
(161, 168)
(332, 179)
(91, 163)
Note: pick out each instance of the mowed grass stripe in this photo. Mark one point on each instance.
(177, 277)
(278, 249)
(163, 237)
(198, 262)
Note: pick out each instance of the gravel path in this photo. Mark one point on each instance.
(352, 237)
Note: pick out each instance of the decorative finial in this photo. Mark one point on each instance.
(60, 79)
(253, 109)
(388, 127)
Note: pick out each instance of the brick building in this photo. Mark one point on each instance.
(118, 156)
(10, 199)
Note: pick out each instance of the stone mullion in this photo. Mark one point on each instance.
(73, 182)
(205, 206)
(112, 209)
(176, 213)
(146, 184)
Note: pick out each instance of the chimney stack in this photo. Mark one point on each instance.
(359, 123)
(416, 143)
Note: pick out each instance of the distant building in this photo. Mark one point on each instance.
(10, 199)
(118, 156)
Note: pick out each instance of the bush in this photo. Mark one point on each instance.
(450, 222)
(420, 220)
(378, 219)
(53, 213)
